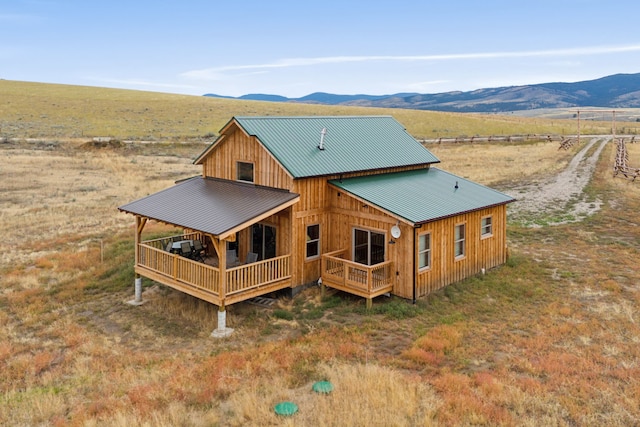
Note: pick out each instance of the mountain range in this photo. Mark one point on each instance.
(615, 91)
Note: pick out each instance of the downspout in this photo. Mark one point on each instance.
(413, 267)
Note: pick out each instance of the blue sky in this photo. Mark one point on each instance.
(297, 47)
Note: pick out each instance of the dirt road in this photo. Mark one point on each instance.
(561, 198)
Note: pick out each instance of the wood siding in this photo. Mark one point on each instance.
(480, 252)
(348, 213)
(311, 209)
(338, 214)
(239, 147)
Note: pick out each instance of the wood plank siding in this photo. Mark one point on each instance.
(480, 252)
(237, 147)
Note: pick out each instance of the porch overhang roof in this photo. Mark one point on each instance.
(214, 206)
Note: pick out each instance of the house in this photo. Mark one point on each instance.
(351, 202)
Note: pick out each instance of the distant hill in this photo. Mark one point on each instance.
(616, 91)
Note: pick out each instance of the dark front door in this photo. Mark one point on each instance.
(263, 241)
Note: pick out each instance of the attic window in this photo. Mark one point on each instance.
(244, 171)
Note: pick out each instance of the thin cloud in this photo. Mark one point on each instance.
(219, 73)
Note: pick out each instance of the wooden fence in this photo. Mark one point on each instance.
(621, 167)
(500, 138)
(567, 143)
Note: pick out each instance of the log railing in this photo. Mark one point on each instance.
(367, 280)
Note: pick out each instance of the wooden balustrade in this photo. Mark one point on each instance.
(161, 243)
(176, 267)
(177, 271)
(360, 279)
(254, 275)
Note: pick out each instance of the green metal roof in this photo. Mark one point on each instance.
(351, 143)
(422, 195)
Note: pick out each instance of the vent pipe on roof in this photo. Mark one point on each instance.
(323, 132)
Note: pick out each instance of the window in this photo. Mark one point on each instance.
(459, 240)
(244, 171)
(313, 241)
(486, 227)
(368, 247)
(263, 241)
(424, 251)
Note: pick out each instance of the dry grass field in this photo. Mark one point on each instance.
(550, 338)
(36, 110)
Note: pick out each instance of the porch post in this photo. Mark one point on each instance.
(222, 331)
(138, 291)
(137, 284)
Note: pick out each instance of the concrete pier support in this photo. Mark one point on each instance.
(138, 292)
(222, 331)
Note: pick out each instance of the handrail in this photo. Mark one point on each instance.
(161, 242)
(366, 278)
(207, 277)
(257, 274)
(185, 270)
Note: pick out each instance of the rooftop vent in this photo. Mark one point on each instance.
(323, 132)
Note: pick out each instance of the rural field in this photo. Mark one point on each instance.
(550, 338)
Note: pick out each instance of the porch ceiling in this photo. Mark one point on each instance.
(215, 206)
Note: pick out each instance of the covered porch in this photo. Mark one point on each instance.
(234, 245)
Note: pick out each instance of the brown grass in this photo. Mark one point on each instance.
(551, 338)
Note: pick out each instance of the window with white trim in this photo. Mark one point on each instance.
(424, 251)
(313, 241)
(486, 227)
(244, 171)
(459, 243)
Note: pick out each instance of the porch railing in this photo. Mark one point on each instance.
(161, 243)
(178, 270)
(366, 280)
(256, 274)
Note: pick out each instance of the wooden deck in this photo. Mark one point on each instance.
(367, 281)
(205, 281)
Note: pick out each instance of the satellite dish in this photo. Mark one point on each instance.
(395, 232)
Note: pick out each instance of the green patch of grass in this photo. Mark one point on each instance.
(117, 273)
(332, 301)
(312, 312)
(283, 314)
(116, 278)
(396, 308)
